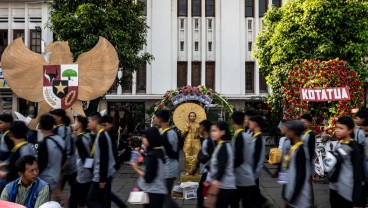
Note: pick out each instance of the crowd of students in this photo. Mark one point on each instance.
(80, 155)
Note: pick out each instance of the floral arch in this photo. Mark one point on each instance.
(322, 75)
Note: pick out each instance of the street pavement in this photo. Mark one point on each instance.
(126, 180)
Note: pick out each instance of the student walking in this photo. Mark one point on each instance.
(152, 175)
(297, 189)
(103, 165)
(346, 177)
(222, 187)
(6, 145)
(204, 156)
(79, 190)
(170, 145)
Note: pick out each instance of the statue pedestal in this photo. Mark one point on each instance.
(192, 178)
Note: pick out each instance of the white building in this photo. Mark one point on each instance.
(194, 42)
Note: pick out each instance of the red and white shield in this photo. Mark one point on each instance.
(60, 85)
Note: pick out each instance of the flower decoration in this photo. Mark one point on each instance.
(166, 101)
(321, 75)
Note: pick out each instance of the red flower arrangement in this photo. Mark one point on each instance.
(320, 75)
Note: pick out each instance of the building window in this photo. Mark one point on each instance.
(249, 8)
(196, 46)
(210, 75)
(182, 24)
(141, 79)
(210, 8)
(35, 41)
(3, 41)
(250, 24)
(196, 73)
(196, 8)
(18, 34)
(182, 74)
(181, 45)
(263, 5)
(210, 24)
(196, 24)
(210, 46)
(250, 46)
(127, 81)
(277, 3)
(182, 8)
(144, 11)
(262, 83)
(249, 77)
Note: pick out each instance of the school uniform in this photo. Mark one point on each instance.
(18, 151)
(347, 190)
(65, 132)
(171, 154)
(309, 144)
(153, 182)
(222, 170)
(103, 170)
(79, 191)
(6, 145)
(297, 191)
(204, 157)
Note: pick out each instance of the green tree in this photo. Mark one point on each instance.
(120, 21)
(311, 29)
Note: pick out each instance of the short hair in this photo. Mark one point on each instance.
(223, 127)
(107, 119)
(95, 116)
(259, 120)
(250, 113)
(206, 124)
(62, 114)
(164, 115)
(6, 118)
(238, 117)
(361, 114)
(47, 122)
(347, 121)
(83, 121)
(19, 129)
(23, 161)
(307, 117)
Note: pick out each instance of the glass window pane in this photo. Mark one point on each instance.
(210, 75)
(196, 73)
(196, 8)
(249, 8)
(262, 83)
(249, 77)
(262, 7)
(141, 79)
(276, 3)
(182, 74)
(210, 8)
(144, 11)
(183, 8)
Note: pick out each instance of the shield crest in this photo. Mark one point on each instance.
(60, 85)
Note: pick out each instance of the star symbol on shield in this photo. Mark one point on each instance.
(60, 88)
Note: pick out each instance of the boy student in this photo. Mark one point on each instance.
(309, 140)
(171, 150)
(50, 156)
(359, 118)
(107, 122)
(297, 191)
(79, 191)
(204, 156)
(5, 143)
(103, 165)
(346, 177)
(247, 115)
(17, 134)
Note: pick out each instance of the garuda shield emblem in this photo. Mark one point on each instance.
(60, 85)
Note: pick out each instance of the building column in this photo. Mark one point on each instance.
(203, 32)
(218, 46)
(149, 47)
(258, 22)
(174, 43)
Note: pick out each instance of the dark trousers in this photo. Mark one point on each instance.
(261, 200)
(248, 196)
(224, 198)
(169, 202)
(200, 197)
(68, 178)
(78, 194)
(99, 198)
(155, 201)
(338, 201)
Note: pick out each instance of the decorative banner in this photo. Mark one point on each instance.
(192, 97)
(322, 95)
(60, 85)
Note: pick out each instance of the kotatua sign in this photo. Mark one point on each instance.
(322, 95)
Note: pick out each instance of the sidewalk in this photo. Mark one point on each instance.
(126, 180)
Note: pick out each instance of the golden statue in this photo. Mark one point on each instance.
(187, 118)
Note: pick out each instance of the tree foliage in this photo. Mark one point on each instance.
(81, 22)
(311, 29)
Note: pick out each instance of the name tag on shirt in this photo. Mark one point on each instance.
(88, 163)
(283, 178)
